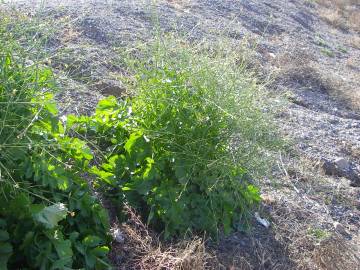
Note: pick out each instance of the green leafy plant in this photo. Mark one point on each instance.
(184, 149)
(48, 217)
(318, 234)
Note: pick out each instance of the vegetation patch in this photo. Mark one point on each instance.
(185, 152)
(184, 149)
(49, 218)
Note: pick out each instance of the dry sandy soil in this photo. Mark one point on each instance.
(311, 51)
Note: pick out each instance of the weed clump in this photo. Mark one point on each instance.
(184, 150)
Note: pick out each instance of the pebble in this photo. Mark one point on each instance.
(118, 235)
(342, 164)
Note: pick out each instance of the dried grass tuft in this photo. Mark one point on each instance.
(335, 253)
(342, 14)
(301, 223)
(144, 251)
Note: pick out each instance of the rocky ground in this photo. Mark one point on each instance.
(313, 199)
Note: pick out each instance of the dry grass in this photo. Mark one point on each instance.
(342, 14)
(297, 68)
(335, 253)
(309, 244)
(354, 20)
(303, 236)
(302, 222)
(334, 18)
(68, 33)
(355, 42)
(143, 250)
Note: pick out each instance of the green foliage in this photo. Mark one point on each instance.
(47, 212)
(184, 149)
(328, 52)
(318, 234)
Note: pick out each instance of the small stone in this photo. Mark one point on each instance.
(262, 221)
(118, 235)
(342, 168)
(328, 167)
(341, 229)
(342, 164)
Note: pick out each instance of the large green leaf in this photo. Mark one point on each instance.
(106, 103)
(130, 145)
(51, 215)
(63, 249)
(91, 241)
